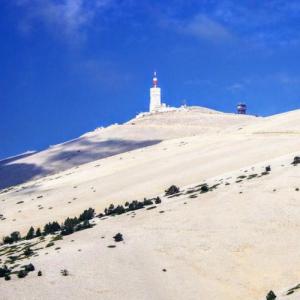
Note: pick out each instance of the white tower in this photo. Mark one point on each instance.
(155, 97)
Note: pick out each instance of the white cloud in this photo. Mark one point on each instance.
(200, 27)
(67, 18)
(203, 27)
(235, 87)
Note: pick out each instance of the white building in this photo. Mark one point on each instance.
(155, 96)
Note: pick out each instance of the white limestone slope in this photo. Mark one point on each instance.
(236, 242)
(115, 139)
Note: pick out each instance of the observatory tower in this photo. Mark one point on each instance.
(241, 108)
(155, 96)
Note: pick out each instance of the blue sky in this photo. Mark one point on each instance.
(69, 66)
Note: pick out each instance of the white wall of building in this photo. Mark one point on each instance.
(155, 99)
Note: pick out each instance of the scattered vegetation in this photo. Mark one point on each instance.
(292, 290)
(296, 160)
(22, 274)
(134, 205)
(7, 277)
(50, 245)
(28, 251)
(118, 237)
(29, 268)
(4, 271)
(64, 272)
(30, 234)
(14, 237)
(173, 189)
(271, 296)
(51, 228)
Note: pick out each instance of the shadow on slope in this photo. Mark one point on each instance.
(87, 151)
(70, 155)
(17, 173)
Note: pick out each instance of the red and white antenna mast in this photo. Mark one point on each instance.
(155, 80)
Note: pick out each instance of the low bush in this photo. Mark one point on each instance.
(22, 274)
(204, 188)
(38, 232)
(173, 189)
(88, 214)
(118, 237)
(30, 234)
(28, 251)
(157, 200)
(29, 268)
(51, 228)
(4, 271)
(64, 272)
(271, 296)
(7, 277)
(268, 169)
(14, 237)
(296, 160)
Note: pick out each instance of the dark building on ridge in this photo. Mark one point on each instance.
(241, 108)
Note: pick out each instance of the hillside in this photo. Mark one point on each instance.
(238, 240)
(116, 139)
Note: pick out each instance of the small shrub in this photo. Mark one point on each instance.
(119, 210)
(30, 234)
(38, 232)
(7, 277)
(88, 214)
(28, 251)
(204, 188)
(271, 296)
(69, 224)
(22, 274)
(64, 272)
(86, 224)
(51, 228)
(39, 273)
(4, 271)
(118, 237)
(268, 169)
(14, 237)
(50, 244)
(173, 189)
(147, 202)
(157, 200)
(296, 160)
(29, 268)
(134, 205)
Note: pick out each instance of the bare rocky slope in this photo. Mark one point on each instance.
(116, 139)
(236, 240)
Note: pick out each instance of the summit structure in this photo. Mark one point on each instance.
(155, 95)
